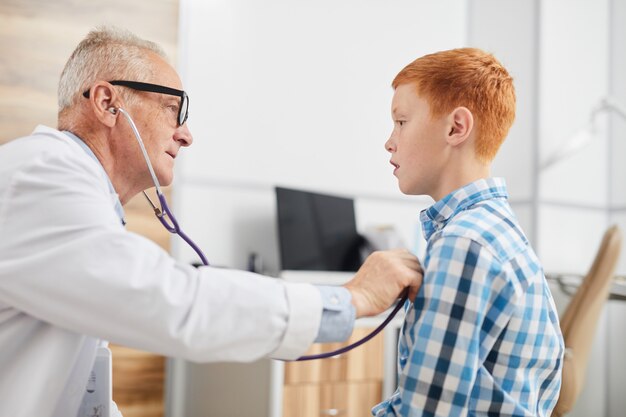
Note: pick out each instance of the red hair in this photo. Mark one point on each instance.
(471, 78)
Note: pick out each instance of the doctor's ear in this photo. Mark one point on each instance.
(460, 126)
(104, 102)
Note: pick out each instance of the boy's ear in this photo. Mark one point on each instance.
(461, 124)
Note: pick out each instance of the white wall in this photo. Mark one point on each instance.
(509, 30)
(297, 94)
(617, 126)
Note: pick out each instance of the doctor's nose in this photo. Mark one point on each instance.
(183, 135)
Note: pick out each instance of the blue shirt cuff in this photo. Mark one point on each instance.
(338, 314)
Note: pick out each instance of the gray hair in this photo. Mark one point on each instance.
(107, 53)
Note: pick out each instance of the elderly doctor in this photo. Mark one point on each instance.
(71, 276)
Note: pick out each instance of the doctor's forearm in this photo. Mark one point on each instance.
(338, 315)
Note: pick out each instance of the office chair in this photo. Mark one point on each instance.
(580, 319)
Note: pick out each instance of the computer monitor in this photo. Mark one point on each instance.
(317, 231)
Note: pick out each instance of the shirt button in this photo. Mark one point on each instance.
(334, 300)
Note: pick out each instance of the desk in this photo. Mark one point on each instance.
(569, 283)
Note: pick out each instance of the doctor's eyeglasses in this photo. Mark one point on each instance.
(183, 109)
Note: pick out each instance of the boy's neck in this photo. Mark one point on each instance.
(459, 177)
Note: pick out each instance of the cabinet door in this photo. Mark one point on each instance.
(342, 399)
(366, 362)
(301, 400)
(361, 397)
(363, 363)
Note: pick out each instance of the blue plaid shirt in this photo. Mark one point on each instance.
(483, 336)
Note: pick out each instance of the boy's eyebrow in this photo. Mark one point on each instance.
(395, 111)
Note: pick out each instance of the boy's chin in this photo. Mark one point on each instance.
(407, 190)
(412, 191)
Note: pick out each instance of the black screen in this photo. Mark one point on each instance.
(317, 231)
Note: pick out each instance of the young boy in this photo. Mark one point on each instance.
(482, 337)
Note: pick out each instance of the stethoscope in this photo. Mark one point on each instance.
(174, 228)
(164, 211)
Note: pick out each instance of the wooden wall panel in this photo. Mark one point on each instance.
(36, 38)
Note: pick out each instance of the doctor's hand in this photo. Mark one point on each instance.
(382, 278)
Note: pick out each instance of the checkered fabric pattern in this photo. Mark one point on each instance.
(483, 336)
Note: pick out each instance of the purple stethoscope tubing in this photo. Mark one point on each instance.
(367, 338)
(175, 229)
(165, 209)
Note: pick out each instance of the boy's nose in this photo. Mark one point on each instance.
(389, 145)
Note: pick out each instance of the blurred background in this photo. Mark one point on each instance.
(297, 94)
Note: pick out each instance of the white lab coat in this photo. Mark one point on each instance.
(71, 276)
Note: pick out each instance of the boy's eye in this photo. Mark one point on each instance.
(400, 122)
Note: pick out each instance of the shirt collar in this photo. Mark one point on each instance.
(437, 215)
(115, 197)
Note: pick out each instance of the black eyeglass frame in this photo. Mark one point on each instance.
(156, 88)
